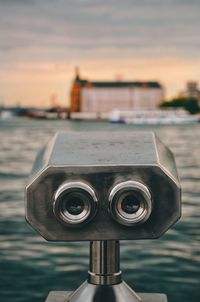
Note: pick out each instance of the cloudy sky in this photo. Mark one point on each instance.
(42, 41)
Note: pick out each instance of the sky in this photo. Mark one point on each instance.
(43, 41)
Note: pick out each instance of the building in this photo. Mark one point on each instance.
(192, 90)
(106, 96)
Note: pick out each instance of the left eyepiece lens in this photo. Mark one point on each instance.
(130, 204)
(75, 203)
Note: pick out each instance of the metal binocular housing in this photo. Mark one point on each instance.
(103, 186)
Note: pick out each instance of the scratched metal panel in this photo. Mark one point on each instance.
(103, 148)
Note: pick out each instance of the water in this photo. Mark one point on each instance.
(31, 267)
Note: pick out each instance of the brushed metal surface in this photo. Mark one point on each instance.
(97, 293)
(63, 296)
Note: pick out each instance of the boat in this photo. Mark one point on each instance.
(6, 115)
(153, 117)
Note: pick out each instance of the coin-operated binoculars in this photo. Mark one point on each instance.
(102, 188)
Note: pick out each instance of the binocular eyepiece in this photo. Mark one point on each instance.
(76, 203)
(130, 203)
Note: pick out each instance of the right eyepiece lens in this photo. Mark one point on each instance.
(130, 203)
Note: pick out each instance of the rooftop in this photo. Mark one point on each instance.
(120, 84)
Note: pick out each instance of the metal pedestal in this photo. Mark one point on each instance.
(104, 282)
(65, 296)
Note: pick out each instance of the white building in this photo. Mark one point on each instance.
(104, 97)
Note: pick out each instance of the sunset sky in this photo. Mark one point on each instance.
(42, 41)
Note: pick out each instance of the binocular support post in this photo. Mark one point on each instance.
(104, 279)
(104, 262)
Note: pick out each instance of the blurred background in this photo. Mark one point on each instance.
(88, 65)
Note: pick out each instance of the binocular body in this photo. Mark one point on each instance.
(103, 186)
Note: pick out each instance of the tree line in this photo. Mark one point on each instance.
(188, 103)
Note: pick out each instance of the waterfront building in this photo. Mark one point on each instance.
(105, 96)
(192, 90)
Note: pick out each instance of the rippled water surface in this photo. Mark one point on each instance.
(30, 267)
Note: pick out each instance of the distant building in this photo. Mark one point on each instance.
(105, 96)
(192, 90)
